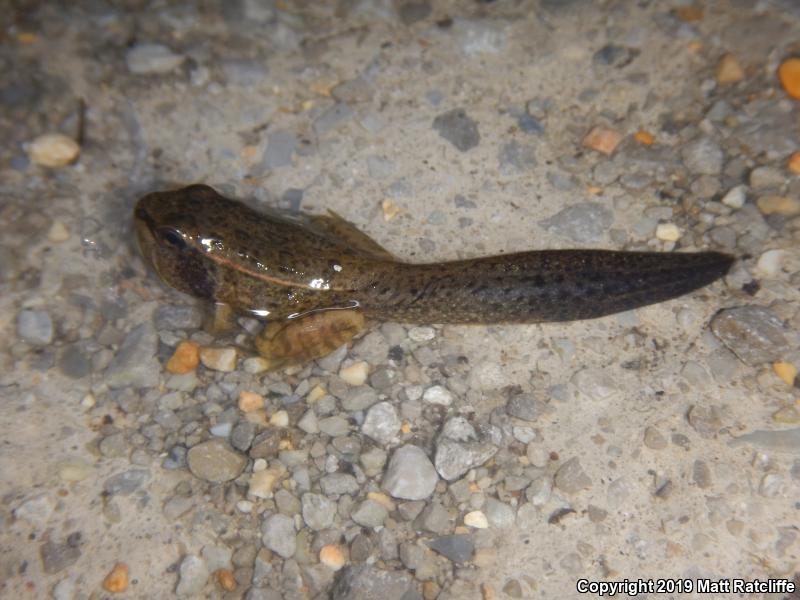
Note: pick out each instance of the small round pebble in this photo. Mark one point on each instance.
(35, 327)
(729, 70)
(185, 358)
(772, 204)
(786, 371)
(279, 419)
(355, 374)
(152, 59)
(735, 197)
(117, 580)
(332, 556)
(602, 139)
(769, 263)
(250, 401)
(793, 164)
(58, 232)
(789, 76)
(53, 150)
(668, 232)
(476, 519)
(421, 334)
(438, 394)
(218, 359)
(215, 461)
(226, 579)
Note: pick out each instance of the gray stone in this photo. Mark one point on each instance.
(336, 484)
(753, 333)
(125, 483)
(526, 407)
(458, 129)
(499, 514)
(382, 422)
(454, 458)
(244, 72)
(370, 514)
(410, 474)
(653, 439)
(353, 91)
(514, 156)
(701, 474)
(277, 534)
(436, 519)
(334, 426)
(379, 168)
(318, 511)
(331, 118)
(35, 327)
(372, 461)
(57, 557)
(571, 477)
(280, 146)
(178, 316)
(457, 548)
(766, 178)
(359, 398)
(74, 363)
(215, 461)
(365, 582)
(192, 576)
(152, 59)
(135, 362)
(413, 12)
(582, 222)
(242, 435)
(702, 156)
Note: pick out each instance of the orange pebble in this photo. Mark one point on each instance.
(644, 137)
(226, 579)
(250, 401)
(185, 358)
(117, 579)
(602, 140)
(332, 556)
(689, 14)
(789, 75)
(794, 163)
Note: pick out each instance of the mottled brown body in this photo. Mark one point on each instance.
(287, 268)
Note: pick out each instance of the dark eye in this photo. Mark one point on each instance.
(172, 237)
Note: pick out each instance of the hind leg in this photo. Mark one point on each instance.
(301, 340)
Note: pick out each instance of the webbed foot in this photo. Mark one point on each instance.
(308, 337)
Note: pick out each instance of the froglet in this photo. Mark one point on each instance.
(315, 278)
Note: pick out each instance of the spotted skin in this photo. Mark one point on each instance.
(286, 268)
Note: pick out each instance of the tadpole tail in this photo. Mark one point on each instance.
(550, 285)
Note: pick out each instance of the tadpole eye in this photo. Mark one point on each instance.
(172, 237)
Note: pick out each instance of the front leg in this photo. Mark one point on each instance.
(312, 336)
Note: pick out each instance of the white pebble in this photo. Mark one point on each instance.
(259, 464)
(668, 232)
(280, 419)
(58, 232)
(255, 365)
(422, 334)
(355, 374)
(476, 519)
(218, 359)
(735, 198)
(769, 263)
(53, 150)
(244, 506)
(438, 395)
